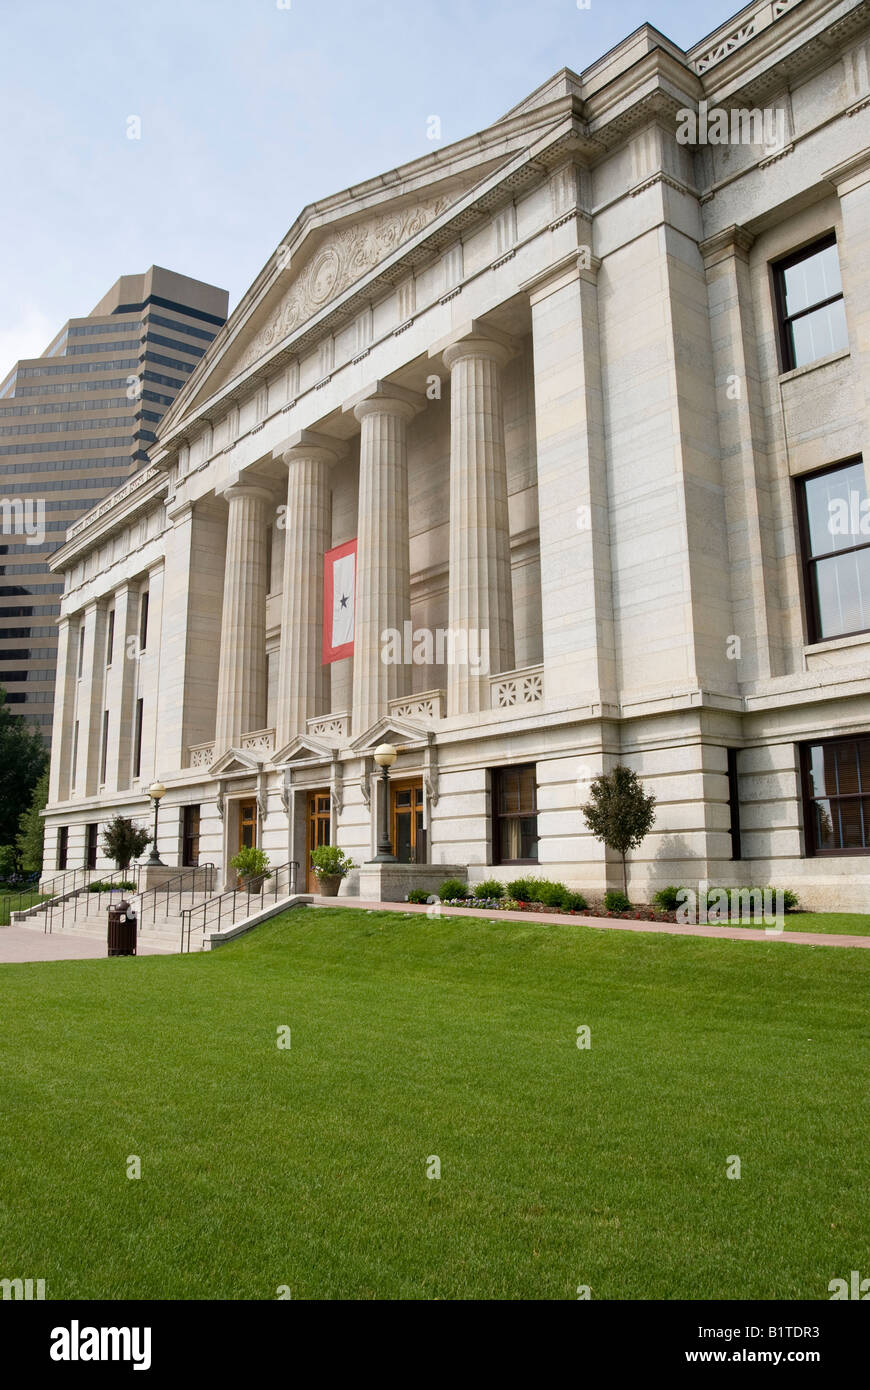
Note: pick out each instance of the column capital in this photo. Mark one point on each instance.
(242, 487)
(385, 398)
(308, 444)
(475, 339)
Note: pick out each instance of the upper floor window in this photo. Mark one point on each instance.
(110, 636)
(809, 296)
(835, 525)
(81, 660)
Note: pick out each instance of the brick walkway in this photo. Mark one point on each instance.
(793, 938)
(19, 944)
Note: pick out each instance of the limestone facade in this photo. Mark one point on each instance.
(538, 376)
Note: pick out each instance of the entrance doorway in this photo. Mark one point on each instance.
(408, 834)
(319, 832)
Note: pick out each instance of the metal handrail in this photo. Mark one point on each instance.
(186, 882)
(231, 896)
(30, 893)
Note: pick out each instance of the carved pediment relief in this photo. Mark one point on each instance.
(343, 257)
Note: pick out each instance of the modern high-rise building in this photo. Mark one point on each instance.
(74, 425)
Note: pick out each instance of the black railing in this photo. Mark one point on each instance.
(18, 902)
(224, 908)
(67, 904)
(171, 894)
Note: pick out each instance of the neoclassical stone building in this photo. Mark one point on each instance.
(588, 390)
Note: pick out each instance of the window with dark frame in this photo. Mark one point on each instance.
(91, 845)
(110, 636)
(515, 815)
(75, 756)
(143, 621)
(734, 803)
(137, 740)
(835, 539)
(104, 747)
(81, 665)
(809, 302)
(62, 845)
(836, 778)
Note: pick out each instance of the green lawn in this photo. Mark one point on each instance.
(15, 901)
(454, 1037)
(831, 923)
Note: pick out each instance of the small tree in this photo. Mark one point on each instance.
(31, 829)
(123, 840)
(621, 813)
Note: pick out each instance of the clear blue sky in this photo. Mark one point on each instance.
(249, 111)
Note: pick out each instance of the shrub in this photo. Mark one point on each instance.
(790, 900)
(525, 890)
(490, 888)
(106, 886)
(452, 888)
(552, 894)
(615, 901)
(251, 863)
(328, 861)
(667, 899)
(576, 902)
(418, 895)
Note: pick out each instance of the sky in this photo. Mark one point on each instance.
(247, 110)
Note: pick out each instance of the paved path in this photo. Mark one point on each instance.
(793, 938)
(27, 944)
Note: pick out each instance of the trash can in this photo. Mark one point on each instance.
(122, 929)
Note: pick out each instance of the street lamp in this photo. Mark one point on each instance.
(385, 756)
(155, 791)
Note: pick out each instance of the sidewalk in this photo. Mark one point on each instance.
(792, 938)
(20, 944)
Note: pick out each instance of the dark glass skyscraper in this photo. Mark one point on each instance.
(74, 424)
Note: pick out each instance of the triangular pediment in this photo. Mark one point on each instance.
(304, 749)
(235, 760)
(401, 732)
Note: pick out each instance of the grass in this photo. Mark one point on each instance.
(15, 901)
(455, 1037)
(831, 923)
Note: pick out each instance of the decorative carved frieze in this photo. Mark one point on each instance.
(344, 258)
(518, 688)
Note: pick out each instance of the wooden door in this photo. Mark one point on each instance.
(247, 824)
(408, 836)
(319, 831)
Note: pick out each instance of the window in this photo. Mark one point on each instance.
(62, 845)
(837, 796)
(137, 740)
(190, 836)
(734, 803)
(104, 748)
(91, 846)
(143, 621)
(110, 636)
(835, 530)
(81, 665)
(515, 815)
(809, 300)
(75, 755)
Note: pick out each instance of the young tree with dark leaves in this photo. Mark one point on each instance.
(124, 840)
(620, 813)
(23, 760)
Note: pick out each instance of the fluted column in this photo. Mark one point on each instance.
(480, 604)
(383, 586)
(303, 680)
(241, 696)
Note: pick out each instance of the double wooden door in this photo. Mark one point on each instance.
(319, 831)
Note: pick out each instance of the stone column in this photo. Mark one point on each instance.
(480, 600)
(383, 587)
(852, 182)
(752, 535)
(573, 514)
(64, 711)
(241, 696)
(303, 680)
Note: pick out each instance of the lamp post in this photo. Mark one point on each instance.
(155, 791)
(385, 756)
